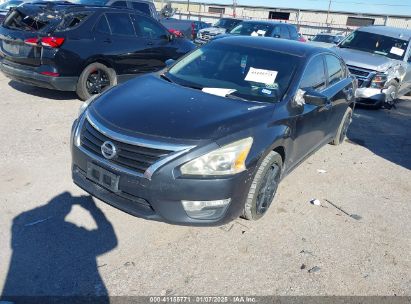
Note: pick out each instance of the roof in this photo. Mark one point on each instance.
(295, 48)
(329, 34)
(267, 22)
(389, 31)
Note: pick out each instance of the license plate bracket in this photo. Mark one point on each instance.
(103, 177)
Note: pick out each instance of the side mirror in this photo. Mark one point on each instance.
(169, 62)
(315, 98)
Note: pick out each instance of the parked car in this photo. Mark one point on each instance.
(272, 29)
(380, 58)
(146, 7)
(6, 6)
(210, 138)
(187, 28)
(327, 39)
(83, 49)
(222, 26)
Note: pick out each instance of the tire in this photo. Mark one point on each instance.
(95, 79)
(391, 99)
(263, 187)
(343, 128)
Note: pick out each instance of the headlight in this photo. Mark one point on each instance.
(229, 159)
(85, 104)
(379, 81)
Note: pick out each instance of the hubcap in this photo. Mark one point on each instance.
(97, 81)
(267, 189)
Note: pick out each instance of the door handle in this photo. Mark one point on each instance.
(150, 43)
(107, 40)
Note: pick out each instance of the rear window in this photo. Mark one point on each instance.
(119, 4)
(21, 21)
(141, 7)
(37, 20)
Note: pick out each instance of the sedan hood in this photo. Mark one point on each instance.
(150, 106)
(365, 60)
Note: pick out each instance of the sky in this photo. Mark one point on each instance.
(389, 7)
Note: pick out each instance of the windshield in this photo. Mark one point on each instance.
(252, 29)
(377, 44)
(9, 4)
(325, 38)
(90, 2)
(226, 23)
(249, 73)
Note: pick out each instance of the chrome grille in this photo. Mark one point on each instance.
(134, 157)
(363, 76)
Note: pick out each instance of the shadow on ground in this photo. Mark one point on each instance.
(42, 92)
(384, 132)
(53, 257)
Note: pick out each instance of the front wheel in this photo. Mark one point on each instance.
(263, 187)
(343, 128)
(95, 79)
(391, 95)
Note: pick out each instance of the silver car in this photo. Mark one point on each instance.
(380, 58)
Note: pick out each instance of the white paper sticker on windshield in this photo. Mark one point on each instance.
(261, 32)
(254, 33)
(261, 76)
(218, 91)
(397, 51)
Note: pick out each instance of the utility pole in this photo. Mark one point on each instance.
(328, 12)
(234, 8)
(188, 5)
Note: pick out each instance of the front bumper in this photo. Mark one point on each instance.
(33, 77)
(371, 96)
(159, 198)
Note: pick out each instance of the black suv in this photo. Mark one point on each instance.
(84, 49)
(211, 138)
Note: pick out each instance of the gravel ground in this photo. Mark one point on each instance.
(56, 240)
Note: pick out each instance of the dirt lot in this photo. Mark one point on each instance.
(55, 240)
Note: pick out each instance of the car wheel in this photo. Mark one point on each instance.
(263, 187)
(392, 94)
(343, 128)
(95, 79)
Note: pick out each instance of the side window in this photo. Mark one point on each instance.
(314, 76)
(119, 4)
(120, 24)
(148, 28)
(102, 25)
(285, 34)
(293, 32)
(141, 7)
(276, 32)
(335, 71)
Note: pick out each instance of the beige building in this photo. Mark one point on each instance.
(310, 22)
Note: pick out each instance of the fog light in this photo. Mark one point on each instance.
(206, 210)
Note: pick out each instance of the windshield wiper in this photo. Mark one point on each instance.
(231, 96)
(166, 78)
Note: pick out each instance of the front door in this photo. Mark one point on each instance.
(312, 124)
